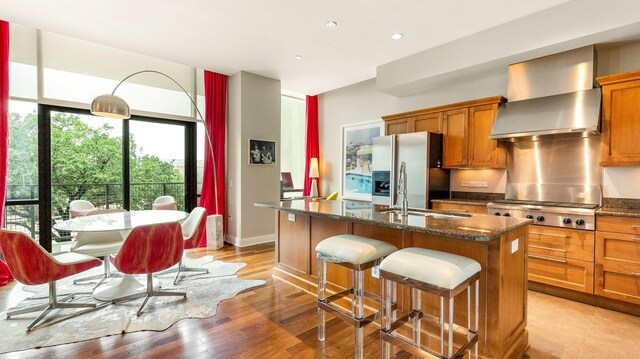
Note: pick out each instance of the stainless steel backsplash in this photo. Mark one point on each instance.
(560, 170)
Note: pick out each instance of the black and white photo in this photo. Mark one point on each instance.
(262, 152)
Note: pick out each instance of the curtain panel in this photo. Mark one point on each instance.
(312, 142)
(213, 177)
(5, 275)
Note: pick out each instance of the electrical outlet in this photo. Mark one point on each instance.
(375, 272)
(291, 217)
(514, 245)
(465, 184)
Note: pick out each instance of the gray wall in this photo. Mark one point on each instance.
(254, 113)
(361, 102)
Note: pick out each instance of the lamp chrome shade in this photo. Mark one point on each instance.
(110, 106)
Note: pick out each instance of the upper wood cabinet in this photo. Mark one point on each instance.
(456, 127)
(620, 119)
(466, 127)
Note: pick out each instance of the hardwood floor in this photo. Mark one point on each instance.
(279, 321)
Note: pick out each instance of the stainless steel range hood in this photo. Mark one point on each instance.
(553, 96)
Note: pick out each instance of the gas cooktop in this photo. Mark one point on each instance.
(547, 203)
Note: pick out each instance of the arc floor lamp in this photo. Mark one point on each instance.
(110, 105)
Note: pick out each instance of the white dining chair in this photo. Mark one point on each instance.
(165, 202)
(99, 245)
(80, 207)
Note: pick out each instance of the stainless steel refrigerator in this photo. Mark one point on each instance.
(422, 153)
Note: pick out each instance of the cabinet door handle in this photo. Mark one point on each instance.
(635, 226)
(548, 248)
(454, 210)
(635, 239)
(547, 258)
(635, 274)
(550, 234)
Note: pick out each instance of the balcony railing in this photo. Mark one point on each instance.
(24, 217)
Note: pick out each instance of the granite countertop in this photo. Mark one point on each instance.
(620, 207)
(475, 227)
(618, 212)
(469, 202)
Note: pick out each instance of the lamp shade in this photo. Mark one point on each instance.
(110, 106)
(313, 169)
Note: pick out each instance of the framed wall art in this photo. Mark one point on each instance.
(357, 159)
(262, 152)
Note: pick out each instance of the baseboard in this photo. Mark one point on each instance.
(250, 241)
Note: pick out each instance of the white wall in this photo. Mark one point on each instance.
(620, 182)
(361, 102)
(254, 113)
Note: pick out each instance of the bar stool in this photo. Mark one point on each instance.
(358, 254)
(440, 273)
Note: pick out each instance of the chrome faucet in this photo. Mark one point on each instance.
(402, 189)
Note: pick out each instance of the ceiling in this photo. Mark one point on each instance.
(264, 37)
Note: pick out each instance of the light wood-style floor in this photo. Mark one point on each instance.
(279, 321)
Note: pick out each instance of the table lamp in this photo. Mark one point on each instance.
(314, 175)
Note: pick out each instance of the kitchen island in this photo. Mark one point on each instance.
(497, 243)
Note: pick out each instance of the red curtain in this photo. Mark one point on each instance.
(213, 177)
(313, 145)
(5, 275)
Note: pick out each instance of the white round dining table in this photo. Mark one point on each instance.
(123, 222)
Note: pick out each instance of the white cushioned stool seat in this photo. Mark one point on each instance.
(444, 270)
(353, 249)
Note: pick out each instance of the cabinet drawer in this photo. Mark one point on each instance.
(617, 248)
(461, 208)
(618, 224)
(618, 282)
(561, 243)
(565, 273)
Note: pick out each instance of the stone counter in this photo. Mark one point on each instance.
(474, 227)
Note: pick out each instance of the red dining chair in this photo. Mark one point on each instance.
(147, 250)
(193, 229)
(30, 264)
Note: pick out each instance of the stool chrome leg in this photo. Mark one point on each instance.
(442, 326)
(450, 327)
(476, 327)
(387, 315)
(358, 310)
(416, 306)
(322, 277)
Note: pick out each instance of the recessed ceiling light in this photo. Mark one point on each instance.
(298, 57)
(331, 24)
(397, 36)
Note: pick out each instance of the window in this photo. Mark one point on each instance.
(292, 137)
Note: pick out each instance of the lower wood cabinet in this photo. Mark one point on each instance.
(460, 208)
(618, 261)
(561, 257)
(565, 273)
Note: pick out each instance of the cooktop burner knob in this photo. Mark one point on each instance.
(566, 220)
(580, 222)
(540, 218)
(496, 213)
(506, 214)
(529, 216)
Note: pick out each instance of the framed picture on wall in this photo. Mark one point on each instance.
(357, 159)
(262, 152)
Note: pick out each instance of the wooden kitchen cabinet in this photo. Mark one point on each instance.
(397, 127)
(483, 152)
(620, 119)
(456, 126)
(618, 258)
(561, 257)
(460, 208)
(466, 127)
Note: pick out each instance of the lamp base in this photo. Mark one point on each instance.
(215, 239)
(314, 188)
